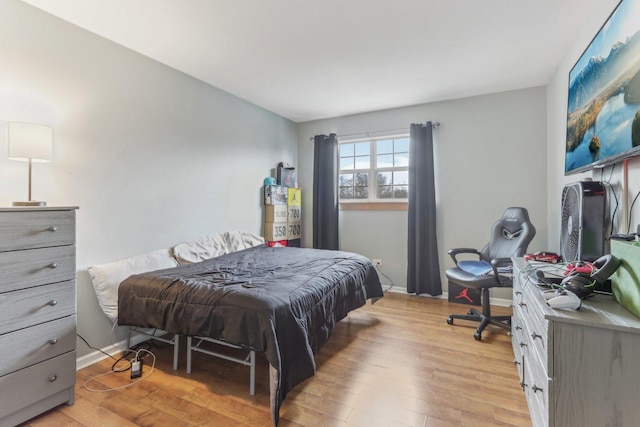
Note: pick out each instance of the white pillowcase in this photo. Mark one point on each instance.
(200, 249)
(106, 278)
(214, 245)
(239, 240)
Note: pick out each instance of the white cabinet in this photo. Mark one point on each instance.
(577, 367)
(37, 311)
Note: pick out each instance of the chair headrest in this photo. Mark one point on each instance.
(510, 235)
(512, 221)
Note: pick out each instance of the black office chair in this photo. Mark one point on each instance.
(510, 237)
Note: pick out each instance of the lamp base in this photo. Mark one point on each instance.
(30, 203)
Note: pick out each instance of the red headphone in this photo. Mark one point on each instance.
(579, 267)
(582, 278)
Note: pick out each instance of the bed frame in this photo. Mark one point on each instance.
(249, 360)
(174, 341)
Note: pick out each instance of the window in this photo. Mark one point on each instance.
(374, 170)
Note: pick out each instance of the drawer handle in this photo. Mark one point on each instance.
(53, 377)
(522, 344)
(518, 293)
(521, 304)
(518, 328)
(536, 389)
(53, 228)
(534, 336)
(53, 302)
(53, 265)
(515, 362)
(53, 340)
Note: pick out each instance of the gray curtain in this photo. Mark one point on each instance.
(325, 192)
(423, 270)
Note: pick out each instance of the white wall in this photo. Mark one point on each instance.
(151, 156)
(556, 124)
(490, 153)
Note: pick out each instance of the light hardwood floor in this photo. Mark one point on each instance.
(395, 363)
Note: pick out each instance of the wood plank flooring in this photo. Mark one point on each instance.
(395, 363)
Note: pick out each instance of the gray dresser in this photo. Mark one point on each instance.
(577, 367)
(37, 311)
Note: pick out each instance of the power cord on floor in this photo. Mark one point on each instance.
(92, 347)
(379, 270)
(146, 345)
(135, 362)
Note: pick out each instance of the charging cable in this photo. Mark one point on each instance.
(134, 364)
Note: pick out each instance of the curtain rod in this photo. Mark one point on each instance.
(368, 134)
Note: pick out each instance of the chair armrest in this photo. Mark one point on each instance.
(457, 251)
(500, 262)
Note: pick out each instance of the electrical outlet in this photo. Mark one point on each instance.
(377, 262)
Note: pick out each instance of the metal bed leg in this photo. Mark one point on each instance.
(252, 373)
(127, 343)
(189, 355)
(176, 342)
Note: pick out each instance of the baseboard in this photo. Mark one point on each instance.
(500, 302)
(111, 350)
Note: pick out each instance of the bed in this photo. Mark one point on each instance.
(281, 301)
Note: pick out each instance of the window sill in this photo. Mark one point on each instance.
(375, 206)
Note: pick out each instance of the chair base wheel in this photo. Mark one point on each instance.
(478, 336)
(449, 321)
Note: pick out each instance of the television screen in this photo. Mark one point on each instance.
(603, 113)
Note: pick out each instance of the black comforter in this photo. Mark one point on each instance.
(281, 301)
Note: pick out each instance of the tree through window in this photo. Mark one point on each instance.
(374, 169)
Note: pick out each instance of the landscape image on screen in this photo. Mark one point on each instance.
(603, 113)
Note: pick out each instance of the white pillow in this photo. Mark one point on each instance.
(214, 245)
(200, 249)
(106, 278)
(238, 240)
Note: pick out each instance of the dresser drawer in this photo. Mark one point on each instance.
(36, 344)
(538, 380)
(36, 229)
(26, 386)
(536, 391)
(28, 307)
(34, 267)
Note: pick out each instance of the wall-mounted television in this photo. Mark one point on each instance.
(603, 113)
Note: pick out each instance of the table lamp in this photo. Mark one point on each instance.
(29, 142)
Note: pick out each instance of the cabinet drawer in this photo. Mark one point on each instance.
(36, 344)
(26, 386)
(536, 391)
(28, 307)
(520, 335)
(33, 267)
(36, 229)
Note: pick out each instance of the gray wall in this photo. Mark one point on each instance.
(151, 156)
(490, 153)
(556, 137)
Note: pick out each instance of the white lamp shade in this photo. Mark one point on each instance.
(29, 141)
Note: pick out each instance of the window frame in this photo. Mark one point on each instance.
(373, 202)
